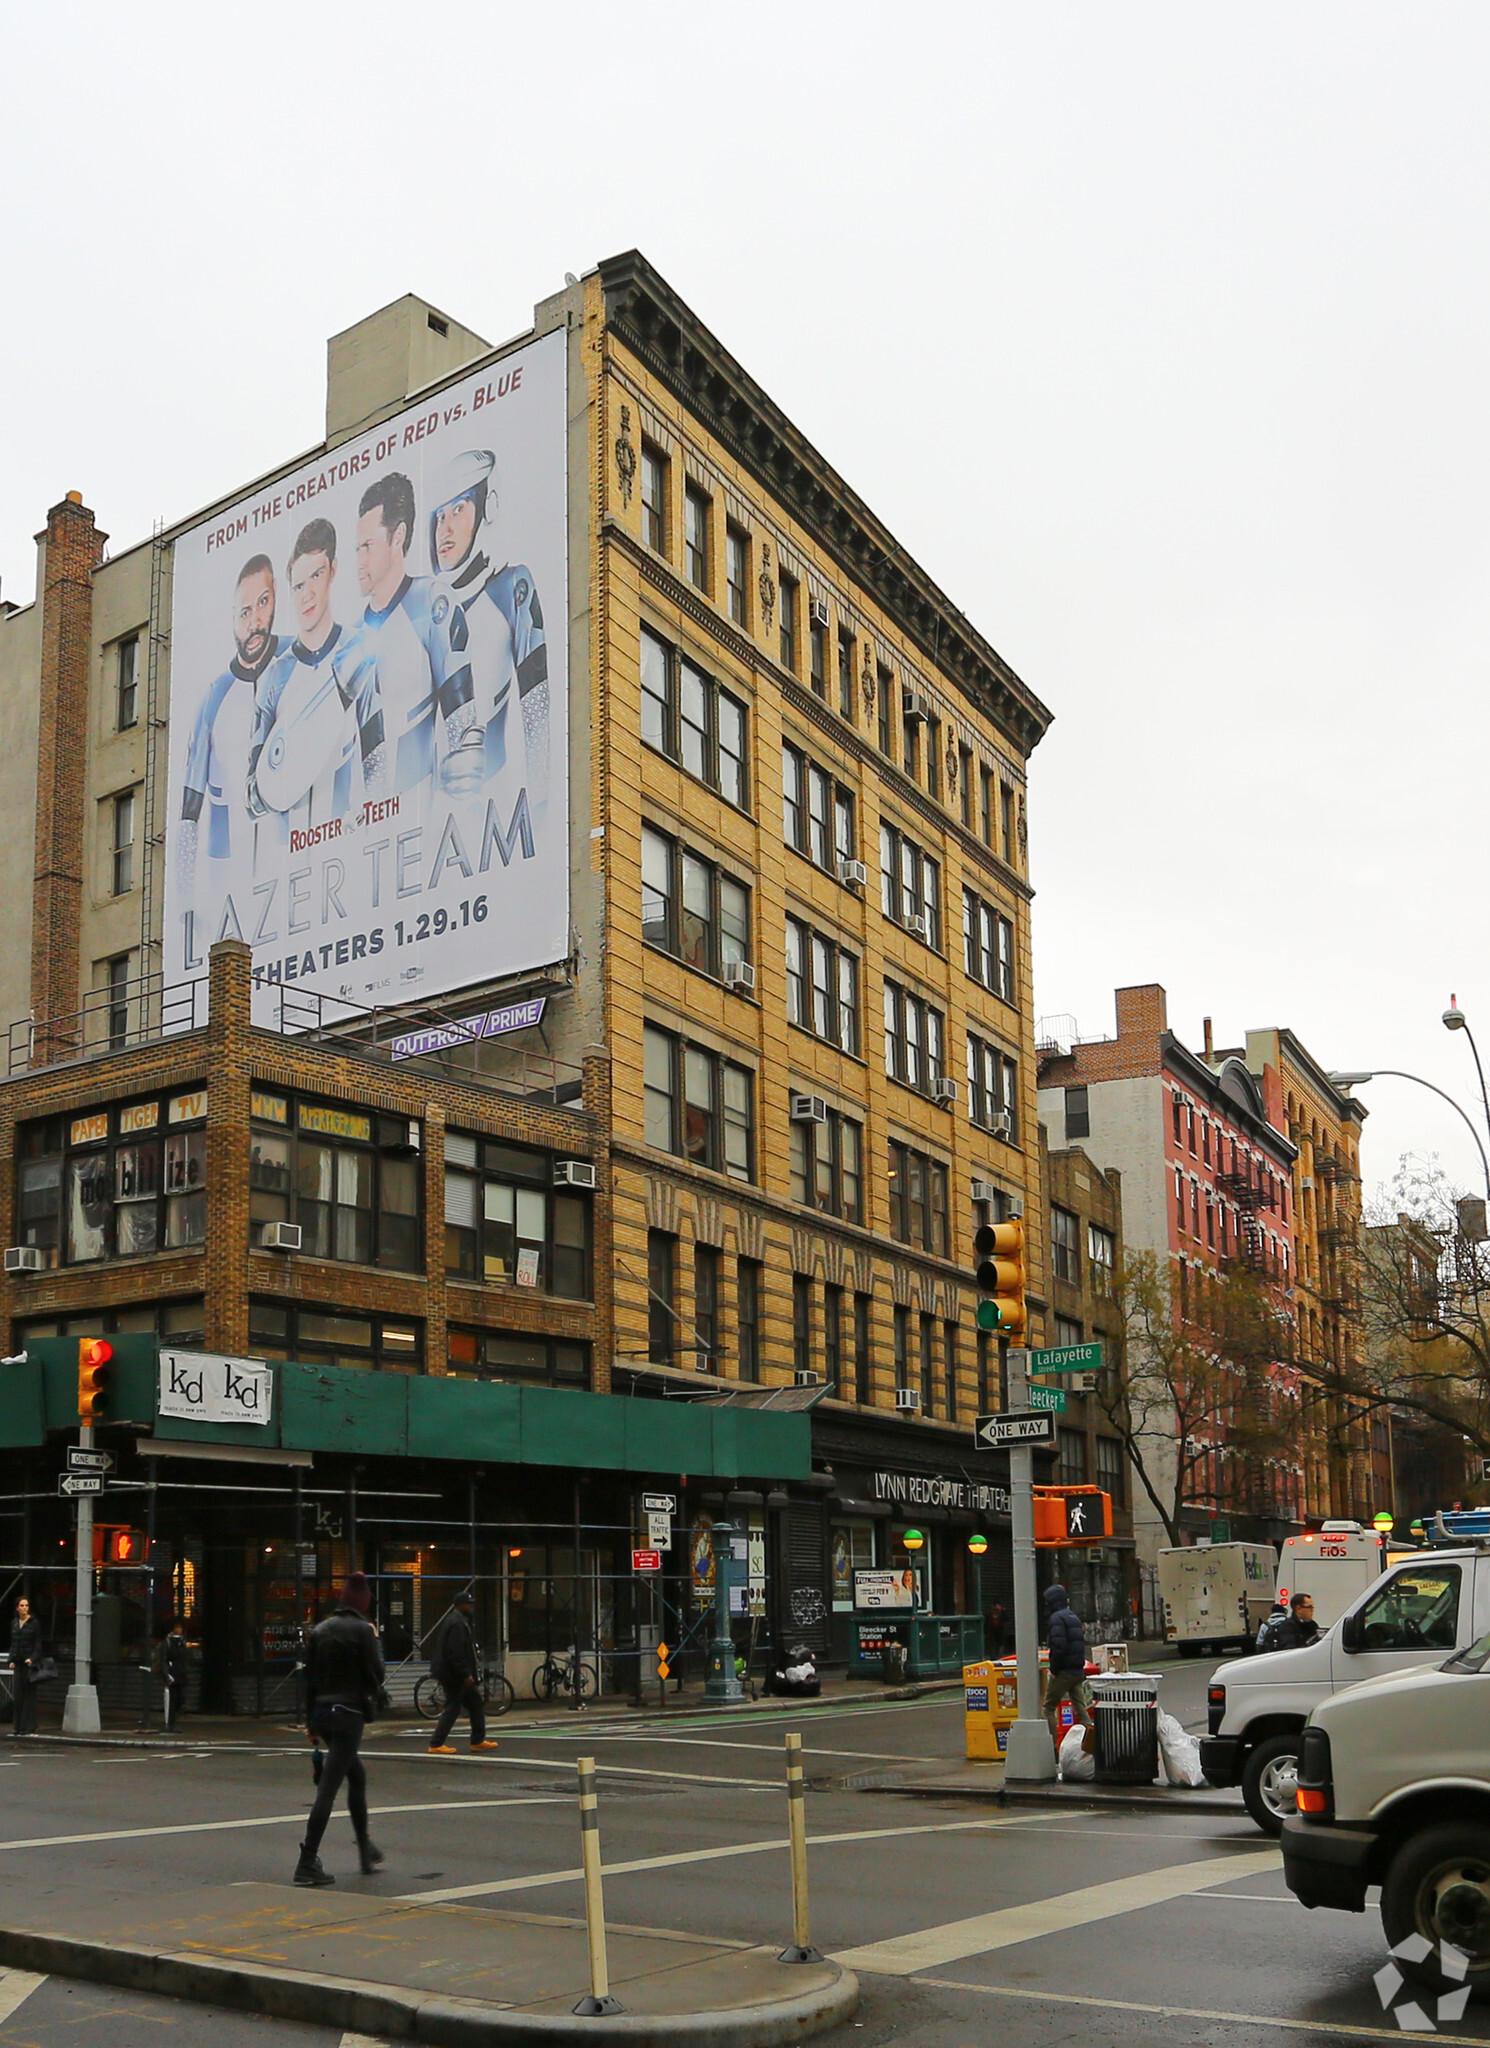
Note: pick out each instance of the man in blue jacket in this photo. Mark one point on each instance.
(1066, 1678)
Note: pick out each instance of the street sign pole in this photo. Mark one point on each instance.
(80, 1708)
(1030, 1754)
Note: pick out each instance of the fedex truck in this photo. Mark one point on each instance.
(1215, 1595)
(1332, 1566)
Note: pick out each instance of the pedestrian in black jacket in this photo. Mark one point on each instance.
(1066, 1676)
(454, 1665)
(25, 1666)
(343, 1686)
(1298, 1631)
(175, 1668)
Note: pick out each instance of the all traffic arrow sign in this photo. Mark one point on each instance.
(72, 1483)
(994, 1432)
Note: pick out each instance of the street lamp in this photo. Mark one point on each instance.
(1454, 1019)
(1397, 1074)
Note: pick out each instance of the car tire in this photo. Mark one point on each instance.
(1438, 1886)
(1188, 1649)
(1270, 1781)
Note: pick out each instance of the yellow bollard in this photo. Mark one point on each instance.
(599, 2000)
(801, 1950)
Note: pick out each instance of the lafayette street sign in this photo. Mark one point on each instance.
(1067, 1358)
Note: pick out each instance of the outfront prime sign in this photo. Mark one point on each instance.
(369, 705)
(203, 1386)
(413, 1045)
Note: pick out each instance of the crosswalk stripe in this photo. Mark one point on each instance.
(16, 1986)
(903, 1954)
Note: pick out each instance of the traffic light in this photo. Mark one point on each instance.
(664, 1669)
(115, 1544)
(1001, 1277)
(94, 1375)
(1070, 1517)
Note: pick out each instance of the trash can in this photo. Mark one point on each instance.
(1126, 1713)
(893, 1662)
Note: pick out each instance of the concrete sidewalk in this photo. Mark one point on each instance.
(458, 1975)
(986, 1781)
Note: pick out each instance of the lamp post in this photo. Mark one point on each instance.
(914, 1542)
(1454, 1019)
(1354, 1080)
(721, 1684)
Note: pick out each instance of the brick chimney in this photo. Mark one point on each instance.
(1142, 1012)
(74, 548)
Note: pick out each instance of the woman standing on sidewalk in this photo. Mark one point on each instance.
(25, 1663)
(343, 1683)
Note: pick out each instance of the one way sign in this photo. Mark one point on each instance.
(994, 1432)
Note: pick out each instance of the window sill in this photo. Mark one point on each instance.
(698, 782)
(508, 1290)
(831, 1044)
(680, 1163)
(294, 1259)
(896, 925)
(856, 890)
(111, 1264)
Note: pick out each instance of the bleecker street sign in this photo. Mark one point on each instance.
(994, 1432)
(72, 1483)
(1051, 1399)
(79, 1460)
(1067, 1358)
(646, 1560)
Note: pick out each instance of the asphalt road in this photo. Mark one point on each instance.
(967, 1923)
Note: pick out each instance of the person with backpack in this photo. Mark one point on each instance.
(1065, 1635)
(457, 1670)
(344, 1689)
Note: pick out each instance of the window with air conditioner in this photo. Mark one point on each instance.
(910, 886)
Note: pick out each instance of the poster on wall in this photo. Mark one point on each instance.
(369, 708)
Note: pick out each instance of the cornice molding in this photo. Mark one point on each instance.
(644, 313)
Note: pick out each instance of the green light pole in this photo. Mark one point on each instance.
(722, 1687)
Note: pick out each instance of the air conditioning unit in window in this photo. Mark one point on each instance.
(915, 705)
(1002, 1124)
(281, 1237)
(809, 1109)
(1013, 1206)
(916, 925)
(986, 1191)
(944, 1089)
(907, 1397)
(739, 974)
(23, 1258)
(808, 1379)
(573, 1173)
(852, 873)
(817, 611)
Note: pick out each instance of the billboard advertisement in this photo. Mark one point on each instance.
(369, 707)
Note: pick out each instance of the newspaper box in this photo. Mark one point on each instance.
(990, 1697)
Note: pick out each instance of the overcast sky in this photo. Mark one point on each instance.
(1157, 332)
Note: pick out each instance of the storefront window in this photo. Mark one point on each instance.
(318, 1336)
(350, 1179)
(851, 1550)
(486, 1355)
(115, 1183)
(183, 1322)
(505, 1220)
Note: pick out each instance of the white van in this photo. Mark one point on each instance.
(1215, 1594)
(1412, 1617)
(1332, 1565)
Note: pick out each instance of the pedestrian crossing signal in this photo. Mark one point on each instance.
(664, 1669)
(1070, 1517)
(94, 1375)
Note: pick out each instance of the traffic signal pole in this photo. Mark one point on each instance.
(80, 1708)
(1030, 1754)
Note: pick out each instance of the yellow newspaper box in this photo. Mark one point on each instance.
(990, 1698)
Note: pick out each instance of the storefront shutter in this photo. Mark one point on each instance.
(803, 1607)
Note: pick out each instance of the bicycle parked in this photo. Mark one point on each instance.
(497, 1693)
(569, 1674)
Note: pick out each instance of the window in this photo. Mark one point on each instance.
(846, 676)
(1177, 1108)
(927, 1363)
(116, 982)
(706, 1308)
(737, 574)
(863, 1356)
(817, 813)
(913, 1039)
(690, 907)
(1067, 1330)
(690, 718)
(988, 946)
(321, 1336)
(985, 805)
(1111, 1467)
(1101, 1251)
(910, 747)
(832, 1336)
(934, 759)
(654, 497)
(965, 784)
(992, 1089)
(114, 1184)
(696, 536)
(697, 1104)
(124, 843)
(918, 1200)
(506, 1221)
(786, 621)
(537, 1361)
(1006, 820)
(127, 697)
(351, 1179)
(802, 1323)
(884, 683)
(661, 1291)
(817, 657)
(910, 885)
(1065, 1246)
(748, 1317)
(1078, 1113)
(1179, 1200)
(949, 1370)
(1071, 1457)
(902, 1339)
(827, 1166)
(1413, 1610)
(822, 986)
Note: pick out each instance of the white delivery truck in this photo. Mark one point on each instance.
(1215, 1595)
(1332, 1565)
(1411, 1618)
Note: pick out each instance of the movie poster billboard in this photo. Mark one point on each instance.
(369, 704)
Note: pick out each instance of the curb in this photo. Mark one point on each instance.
(1171, 1799)
(382, 2010)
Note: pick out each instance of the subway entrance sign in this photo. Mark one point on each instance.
(1067, 1358)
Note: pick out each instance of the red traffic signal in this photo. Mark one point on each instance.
(94, 1375)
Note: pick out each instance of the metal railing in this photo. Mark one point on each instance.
(139, 1011)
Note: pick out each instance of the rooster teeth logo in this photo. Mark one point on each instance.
(1412, 2018)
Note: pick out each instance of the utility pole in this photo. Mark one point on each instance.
(1030, 1754)
(80, 1708)
(721, 1684)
